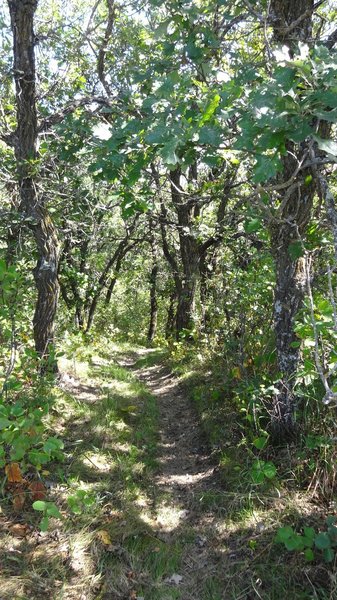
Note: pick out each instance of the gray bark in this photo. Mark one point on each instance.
(292, 21)
(32, 203)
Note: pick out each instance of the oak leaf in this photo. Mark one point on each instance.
(19, 498)
(38, 490)
(13, 473)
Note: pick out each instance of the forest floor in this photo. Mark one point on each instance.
(147, 513)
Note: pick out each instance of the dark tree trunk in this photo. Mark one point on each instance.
(189, 250)
(288, 20)
(171, 316)
(286, 235)
(153, 288)
(32, 204)
(113, 281)
(93, 298)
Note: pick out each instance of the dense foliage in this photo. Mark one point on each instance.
(168, 178)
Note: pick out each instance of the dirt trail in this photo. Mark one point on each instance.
(186, 474)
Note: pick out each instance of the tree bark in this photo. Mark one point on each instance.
(189, 250)
(171, 316)
(292, 21)
(32, 203)
(153, 288)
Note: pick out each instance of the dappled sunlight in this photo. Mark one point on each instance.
(99, 461)
(170, 517)
(186, 479)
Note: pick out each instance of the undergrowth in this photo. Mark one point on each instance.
(108, 544)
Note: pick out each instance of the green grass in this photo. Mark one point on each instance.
(110, 545)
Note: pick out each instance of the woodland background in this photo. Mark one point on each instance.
(168, 181)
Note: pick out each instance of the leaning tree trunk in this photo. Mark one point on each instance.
(32, 204)
(292, 21)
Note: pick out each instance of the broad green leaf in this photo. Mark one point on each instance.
(44, 523)
(253, 225)
(168, 153)
(309, 532)
(260, 442)
(53, 511)
(210, 136)
(328, 555)
(39, 505)
(322, 541)
(284, 533)
(309, 555)
(266, 167)
(269, 470)
(210, 109)
(158, 135)
(294, 543)
(328, 146)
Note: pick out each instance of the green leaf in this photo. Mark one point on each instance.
(284, 533)
(269, 470)
(322, 541)
(44, 523)
(253, 225)
(193, 51)
(309, 532)
(210, 135)
(266, 167)
(53, 444)
(4, 423)
(53, 511)
(300, 132)
(330, 116)
(328, 555)
(210, 109)
(328, 146)
(39, 505)
(158, 135)
(260, 442)
(38, 458)
(294, 543)
(309, 555)
(285, 76)
(168, 153)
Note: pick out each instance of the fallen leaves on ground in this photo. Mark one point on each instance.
(104, 537)
(19, 530)
(13, 473)
(37, 490)
(19, 497)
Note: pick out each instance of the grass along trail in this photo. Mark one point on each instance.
(146, 515)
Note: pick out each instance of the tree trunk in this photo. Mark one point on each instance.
(32, 204)
(292, 22)
(153, 288)
(189, 250)
(171, 316)
(285, 13)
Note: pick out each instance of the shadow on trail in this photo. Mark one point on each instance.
(156, 521)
